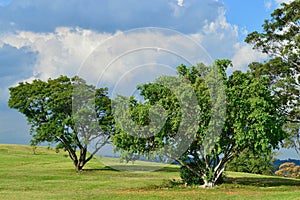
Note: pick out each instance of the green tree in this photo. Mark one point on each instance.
(281, 34)
(252, 120)
(76, 120)
(280, 39)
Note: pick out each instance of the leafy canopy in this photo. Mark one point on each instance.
(251, 120)
(57, 113)
(280, 39)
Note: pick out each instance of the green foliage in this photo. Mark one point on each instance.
(57, 113)
(189, 177)
(252, 163)
(252, 121)
(280, 39)
(280, 36)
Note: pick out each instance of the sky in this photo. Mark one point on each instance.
(45, 39)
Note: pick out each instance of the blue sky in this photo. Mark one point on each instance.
(43, 39)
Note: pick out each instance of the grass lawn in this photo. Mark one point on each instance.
(50, 175)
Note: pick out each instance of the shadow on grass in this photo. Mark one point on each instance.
(106, 168)
(264, 182)
(142, 168)
(169, 169)
(133, 168)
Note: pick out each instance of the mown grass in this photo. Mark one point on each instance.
(48, 175)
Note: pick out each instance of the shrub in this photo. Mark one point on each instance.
(251, 163)
(288, 169)
(189, 177)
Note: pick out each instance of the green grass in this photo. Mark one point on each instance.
(48, 175)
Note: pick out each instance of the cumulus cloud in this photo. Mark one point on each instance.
(95, 55)
(245, 55)
(64, 50)
(47, 30)
(59, 52)
(219, 37)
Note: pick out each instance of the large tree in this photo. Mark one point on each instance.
(280, 39)
(251, 120)
(281, 34)
(68, 112)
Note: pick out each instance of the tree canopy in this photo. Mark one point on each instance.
(280, 39)
(251, 120)
(73, 119)
(281, 34)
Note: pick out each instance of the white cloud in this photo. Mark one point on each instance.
(66, 49)
(245, 55)
(283, 1)
(180, 3)
(279, 2)
(141, 56)
(107, 56)
(219, 37)
(63, 50)
(60, 52)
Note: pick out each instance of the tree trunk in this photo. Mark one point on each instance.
(217, 173)
(79, 164)
(208, 184)
(78, 167)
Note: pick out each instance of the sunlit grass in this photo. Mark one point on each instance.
(50, 175)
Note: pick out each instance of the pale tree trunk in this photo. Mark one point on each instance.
(208, 184)
(217, 173)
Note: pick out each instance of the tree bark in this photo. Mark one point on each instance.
(208, 184)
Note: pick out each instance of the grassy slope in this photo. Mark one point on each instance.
(48, 175)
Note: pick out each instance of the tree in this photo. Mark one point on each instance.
(281, 40)
(68, 112)
(281, 35)
(251, 120)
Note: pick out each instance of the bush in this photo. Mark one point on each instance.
(250, 163)
(191, 178)
(288, 169)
